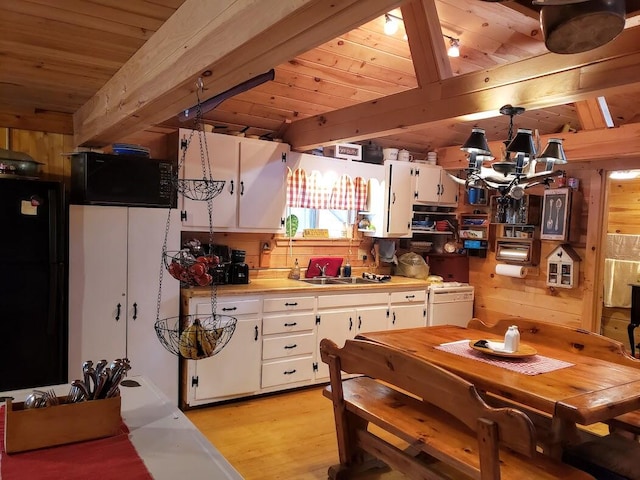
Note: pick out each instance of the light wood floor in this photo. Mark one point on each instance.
(289, 436)
(286, 436)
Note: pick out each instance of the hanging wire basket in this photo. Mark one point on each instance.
(195, 337)
(200, 190)
(191, 271)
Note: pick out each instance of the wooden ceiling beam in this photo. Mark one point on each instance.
(426, 43)
(534, 83)
(42, 120)
(234, 39)
(591, 115)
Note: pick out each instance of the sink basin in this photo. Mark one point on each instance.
(336, 280)
(318, 280)
(353, 280)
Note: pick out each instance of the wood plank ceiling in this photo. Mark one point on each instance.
(57, 55)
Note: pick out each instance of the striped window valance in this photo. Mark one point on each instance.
(311, 191)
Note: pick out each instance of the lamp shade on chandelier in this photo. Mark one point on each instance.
(516, 170)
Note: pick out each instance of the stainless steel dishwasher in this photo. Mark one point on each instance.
(450, 303)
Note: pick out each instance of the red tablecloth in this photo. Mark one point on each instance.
(112, 458)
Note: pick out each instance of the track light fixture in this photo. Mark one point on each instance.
(390, 24)
(454, 46)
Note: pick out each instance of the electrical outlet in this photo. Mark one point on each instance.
(364, 258)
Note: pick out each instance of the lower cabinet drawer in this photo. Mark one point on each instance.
(288, 323)
(282, 372)
(288, 345)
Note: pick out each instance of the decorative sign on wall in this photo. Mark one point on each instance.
(555, 214)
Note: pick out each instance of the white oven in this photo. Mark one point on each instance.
(450, 303)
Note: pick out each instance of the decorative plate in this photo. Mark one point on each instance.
(493, 348)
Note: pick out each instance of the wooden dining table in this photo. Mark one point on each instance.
(584, 391)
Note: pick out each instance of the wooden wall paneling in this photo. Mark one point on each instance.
(47, 148)
(624, 207)
(29, 119)
(593, 260)
(614, 324)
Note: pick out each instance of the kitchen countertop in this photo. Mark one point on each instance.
(286, 285)
(166, 440)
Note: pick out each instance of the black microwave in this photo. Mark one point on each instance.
(128, 180)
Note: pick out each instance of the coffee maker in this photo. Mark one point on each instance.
(238, 271)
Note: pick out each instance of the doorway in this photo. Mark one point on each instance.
(621, 250)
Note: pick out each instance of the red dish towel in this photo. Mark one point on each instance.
(112, 458)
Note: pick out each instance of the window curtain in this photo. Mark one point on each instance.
(316, 196)
(296, 187)
(309, 191)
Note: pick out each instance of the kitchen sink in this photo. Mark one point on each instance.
(319, 280)
(337, 280)
(353, 280)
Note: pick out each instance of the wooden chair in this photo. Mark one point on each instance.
(438, 414)
(611, 452)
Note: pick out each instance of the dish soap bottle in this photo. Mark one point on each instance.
(346, 270)
(512, 339)
(295, 271)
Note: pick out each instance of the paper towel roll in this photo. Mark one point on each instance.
(516, 271)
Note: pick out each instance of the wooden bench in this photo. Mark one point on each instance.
(601, 456)
(574, 340)
(439, 415)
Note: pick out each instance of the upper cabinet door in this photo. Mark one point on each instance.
(448, 190)
(427, 183)
(434, 186)
(221, 156)
(263, 185)
(398, 199)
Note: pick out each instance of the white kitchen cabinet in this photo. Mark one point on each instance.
(432, 185)
(254, 194)
(342, 317)
(289, 340)
(234, 370)
(408, 309)
(392, 217)
(372, 319)
(337, 325)
(115, 256)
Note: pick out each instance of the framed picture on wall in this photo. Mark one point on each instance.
(555, 214)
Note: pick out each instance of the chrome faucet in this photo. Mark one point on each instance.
(322, 269)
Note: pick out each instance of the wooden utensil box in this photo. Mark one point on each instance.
(33, 428)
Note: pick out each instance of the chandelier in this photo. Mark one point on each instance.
(517, 169)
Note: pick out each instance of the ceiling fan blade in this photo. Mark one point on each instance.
(213, 102)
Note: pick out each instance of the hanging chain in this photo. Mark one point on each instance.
(207, 176)
(206, 172)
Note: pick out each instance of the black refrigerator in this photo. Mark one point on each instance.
(33, 284)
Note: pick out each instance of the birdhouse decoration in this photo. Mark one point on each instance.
(563, 266)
